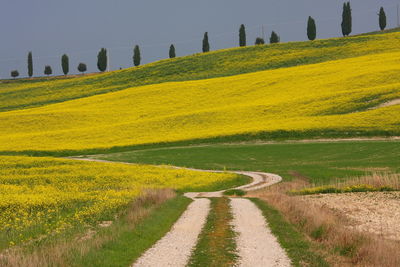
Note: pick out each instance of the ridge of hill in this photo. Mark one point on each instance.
(343, 96)
(26, 93)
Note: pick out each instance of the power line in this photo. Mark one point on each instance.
(214, 36)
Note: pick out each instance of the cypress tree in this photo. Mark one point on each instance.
(65, 64)
(259, 41)
(30, 65)
(382, 19)
(82, 67)
(47, 70)
(344, 20)
(347, 21)
(136, 56)
(14, 74)
(242, 35)
(172, 53)
(102, 60)
(274, 38)
(206, 44)
(311, 29)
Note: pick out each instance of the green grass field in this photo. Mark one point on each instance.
(320, 162)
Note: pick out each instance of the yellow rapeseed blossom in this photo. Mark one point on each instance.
(335, 95)
(41, 196)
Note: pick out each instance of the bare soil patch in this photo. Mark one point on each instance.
(374, 212)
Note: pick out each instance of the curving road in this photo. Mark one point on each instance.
(257, 246)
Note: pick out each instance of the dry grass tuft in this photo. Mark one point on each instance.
(374, 179)
(59, 252)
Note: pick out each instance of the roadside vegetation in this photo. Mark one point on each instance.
(145, 220)
(216, 246)
(299, 249)
(235, 192)
(303, 165)
(342, 245)
(45, 197)
(376, 182)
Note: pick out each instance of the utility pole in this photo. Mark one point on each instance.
(398, 21)
(263, 32)
(108, 62)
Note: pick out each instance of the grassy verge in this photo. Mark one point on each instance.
(216, 246)
(145, 221)
(131, 243)
(298, 248)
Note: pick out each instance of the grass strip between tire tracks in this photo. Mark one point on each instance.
(216, 246)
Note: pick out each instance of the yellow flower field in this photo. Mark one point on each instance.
(20, 94)
(335, 95)
(42, 196)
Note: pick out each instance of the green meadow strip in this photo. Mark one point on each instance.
(297, 247)
(216, 246)
(131, 244)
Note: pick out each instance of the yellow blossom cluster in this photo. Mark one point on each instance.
(342, 95)
(42, 196)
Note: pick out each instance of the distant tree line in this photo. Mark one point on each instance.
(102, 58)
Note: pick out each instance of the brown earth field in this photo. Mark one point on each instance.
(374, 212)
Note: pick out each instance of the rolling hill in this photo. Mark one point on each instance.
(342, 96)
(25, 93)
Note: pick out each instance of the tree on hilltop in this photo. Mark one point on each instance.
(47, 70)
(382, 19)
(30, 65)
(82, 67)
(206, 43)
(347, 23)
(274, 38)
(14, 74)
(259, 41)
(172, 52)
(311, 29)
(242, 35)
(102, 60)
(136, 56)
(65, 64)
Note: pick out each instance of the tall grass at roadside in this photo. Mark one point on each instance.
(344, 246)
(375, 182)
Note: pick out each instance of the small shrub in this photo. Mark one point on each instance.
(319, 232)
(235, 192)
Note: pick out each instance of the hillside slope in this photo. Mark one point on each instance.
(330, 96)
(38, 92)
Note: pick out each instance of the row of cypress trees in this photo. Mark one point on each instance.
(102, 59)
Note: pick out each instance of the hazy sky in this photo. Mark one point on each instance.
(80, 28)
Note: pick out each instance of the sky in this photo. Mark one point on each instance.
(79, 28)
